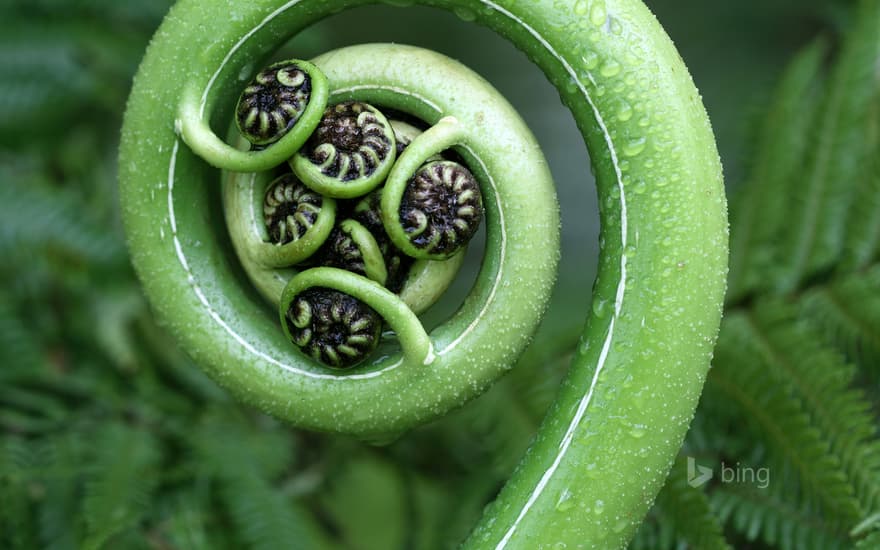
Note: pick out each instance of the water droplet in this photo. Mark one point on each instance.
(625, 112)
(634, 147)
(620, 526)
(590, 60)
(638, 431)
(600, 308)
(611, 68)
(599, 508)
(598, 14)
(581, 7)
(565, 501)
(465, 14)
(616, 27)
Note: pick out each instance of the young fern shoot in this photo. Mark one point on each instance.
(608, 442)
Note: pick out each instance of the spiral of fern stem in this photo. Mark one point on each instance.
(352, 247)
(367, 212)
(350, 152)
(273, 102)
(638, 371)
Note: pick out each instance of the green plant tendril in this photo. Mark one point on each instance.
(352, 247)
(607, 443)
(194, 113)
(419, 284)
(273, 102)
(411, 229)
(334, 328)
(414, 341)
(261, 206)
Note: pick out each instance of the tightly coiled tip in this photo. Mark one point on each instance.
(273, 102)
(332, 327)
(350, 152)
(441, 208)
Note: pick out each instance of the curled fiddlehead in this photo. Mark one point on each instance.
(273, 102)
(333, 327)
(268, 97)
(350, 152)
(608, 442)
(353, 248)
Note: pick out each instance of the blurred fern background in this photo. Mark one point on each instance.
(111, 438)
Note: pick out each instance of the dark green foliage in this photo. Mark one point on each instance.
(111, 438)
(681, 516)
(793, 387)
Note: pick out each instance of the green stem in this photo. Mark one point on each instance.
(414, 341)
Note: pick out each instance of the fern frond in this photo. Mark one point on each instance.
(185, 526)
(781, 421)
(819, 377)
(21, 351)
(40, 79)
(688, 512)
(871, 542)
(122, 479)
(862, 243)
(246, 462)
(39, 217)
(771, 516)
(757, 213)
(848, 312)
(816, 225)
(378, 490)
(18, 524)
(60, 523)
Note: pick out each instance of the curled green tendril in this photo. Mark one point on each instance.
(350, 152)
(195, 111)
(290, 211)
(431, 209)
(276, 223)
(367, 212)
(416, 346)
(352, 247)
(619, 418)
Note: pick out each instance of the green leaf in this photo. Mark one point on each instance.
(758, 211)
(124, 474)
(816, 221)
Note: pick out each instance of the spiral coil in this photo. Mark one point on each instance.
(656, 303)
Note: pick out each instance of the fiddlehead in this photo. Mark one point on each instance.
(273, 102)
(279, 109)
(638, 372)
(333, 327)
(350, 152)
